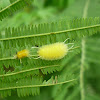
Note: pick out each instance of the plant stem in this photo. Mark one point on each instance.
(41, 85)
(27, 70)
(44, 34)
(82, 71)
(86, 8)
(85, 11)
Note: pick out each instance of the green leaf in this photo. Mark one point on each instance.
(15, 6)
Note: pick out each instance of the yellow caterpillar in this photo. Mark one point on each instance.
(53, 51)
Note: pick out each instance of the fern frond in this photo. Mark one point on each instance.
(21, 38)
(28, 86)
(21, 90)
(17, 74)
(16, 5)
(31, 85)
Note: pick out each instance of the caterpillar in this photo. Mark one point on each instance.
(53, 51)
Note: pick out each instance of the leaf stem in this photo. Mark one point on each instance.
(86, 8)
(9, 6)
(44, 34)
(82, 71)
(14, 73)
(33, 86)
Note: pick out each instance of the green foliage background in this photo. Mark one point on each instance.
(39, 22)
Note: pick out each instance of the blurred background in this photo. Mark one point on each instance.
(42, 11)
(49, 10)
